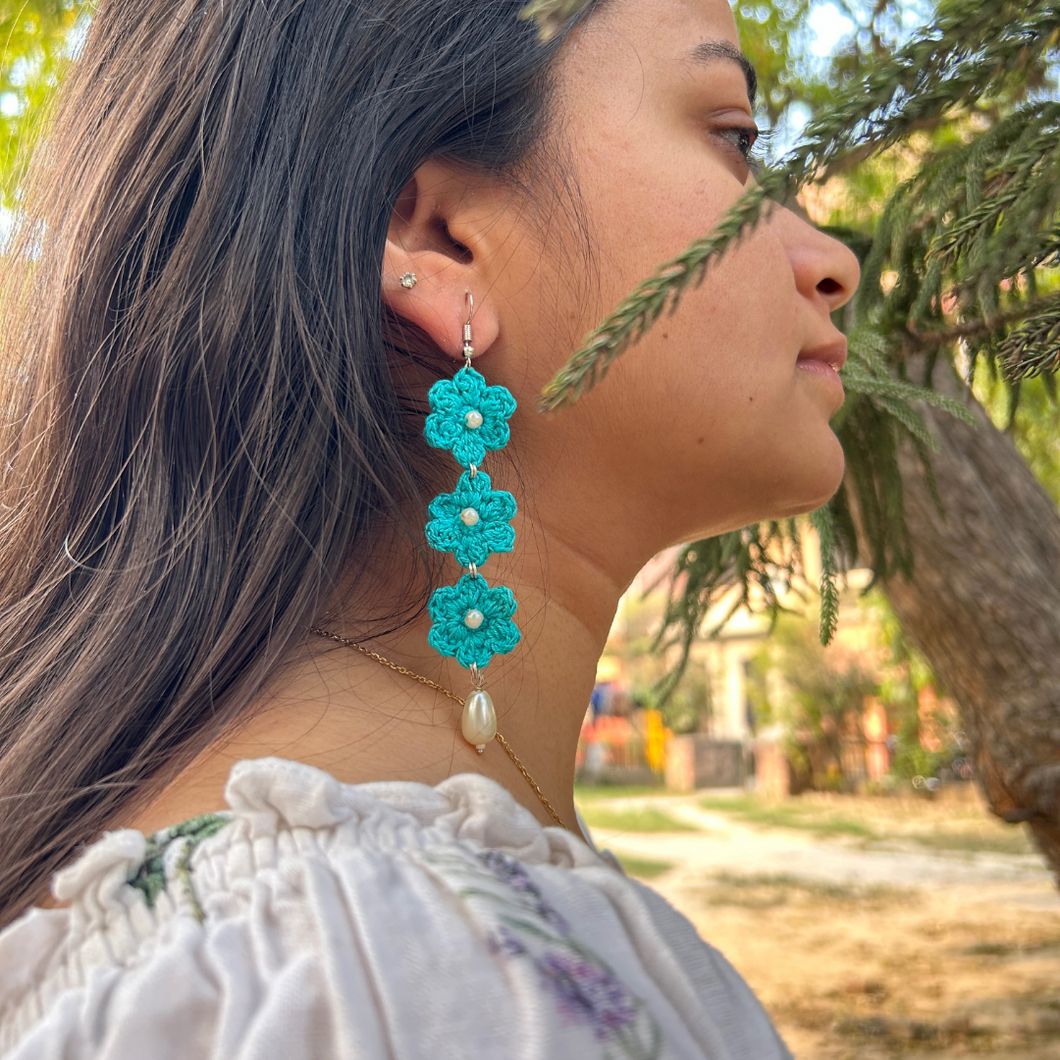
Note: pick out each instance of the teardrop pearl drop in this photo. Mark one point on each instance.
(479, 720)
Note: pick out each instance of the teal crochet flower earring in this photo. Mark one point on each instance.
(472, 621)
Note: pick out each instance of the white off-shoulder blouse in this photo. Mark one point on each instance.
(387, 921)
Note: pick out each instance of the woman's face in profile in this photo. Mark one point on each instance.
(710, 423)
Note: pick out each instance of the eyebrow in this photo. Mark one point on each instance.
(710, 51)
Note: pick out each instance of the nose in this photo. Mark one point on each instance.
(827, 272)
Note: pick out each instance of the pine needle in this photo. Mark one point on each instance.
(824, 524)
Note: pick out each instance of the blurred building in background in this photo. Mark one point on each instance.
(763, 708)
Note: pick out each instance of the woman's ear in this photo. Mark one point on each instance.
(436, 203)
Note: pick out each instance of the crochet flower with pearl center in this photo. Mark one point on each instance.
(473, 622)
(469, 417)
(473, 521)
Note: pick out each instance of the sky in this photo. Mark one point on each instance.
(829, 26)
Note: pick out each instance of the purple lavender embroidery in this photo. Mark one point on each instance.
(503, 940)
(511, 873)
(588, 993)
(525, 927)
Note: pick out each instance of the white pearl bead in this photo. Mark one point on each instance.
(473, 619)
(469, 517)
(473, 419)
(479, 720)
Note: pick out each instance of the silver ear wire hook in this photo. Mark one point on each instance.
(469, 350)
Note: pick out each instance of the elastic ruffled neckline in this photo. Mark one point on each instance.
(269, 795)
(128, 893)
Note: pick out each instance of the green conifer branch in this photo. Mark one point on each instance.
(1034, 346)
(969, 231)
(824, 523)
(1010, 220)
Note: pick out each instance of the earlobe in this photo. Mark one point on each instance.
(418, 244)
(437, 305)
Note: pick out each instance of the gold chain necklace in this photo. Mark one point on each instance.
(456, 699)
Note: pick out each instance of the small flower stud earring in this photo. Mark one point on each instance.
(408, 281)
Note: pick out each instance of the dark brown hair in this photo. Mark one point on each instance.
(200, 429)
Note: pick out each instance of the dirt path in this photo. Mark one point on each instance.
(726, 845)
(865, 949)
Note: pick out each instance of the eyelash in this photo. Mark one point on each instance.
(749, 142)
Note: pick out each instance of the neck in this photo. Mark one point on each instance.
(334, 708)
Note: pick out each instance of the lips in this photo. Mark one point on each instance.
(834, 354)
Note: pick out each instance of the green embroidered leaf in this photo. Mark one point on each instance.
(150, 877)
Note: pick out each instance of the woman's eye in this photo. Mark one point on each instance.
(742, 137)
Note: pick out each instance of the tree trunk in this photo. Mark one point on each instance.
(984, 607)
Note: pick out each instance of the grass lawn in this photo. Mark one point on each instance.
(937, 826)
(787, 815)
(1012, 841)
(768, 890)
(644, 868)
(633, 819)
(590, 793)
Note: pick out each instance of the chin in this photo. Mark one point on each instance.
(814, 485)
(793, 485)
